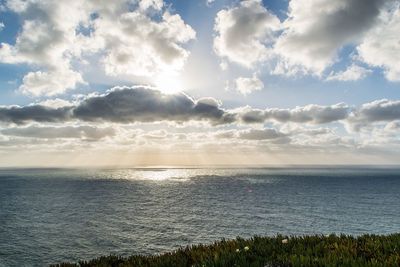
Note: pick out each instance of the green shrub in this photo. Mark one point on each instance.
(278, 251)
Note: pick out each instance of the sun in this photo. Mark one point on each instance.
(169, 83)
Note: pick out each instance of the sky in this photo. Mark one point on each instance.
(199, 82)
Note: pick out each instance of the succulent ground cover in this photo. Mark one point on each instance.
(277, 251)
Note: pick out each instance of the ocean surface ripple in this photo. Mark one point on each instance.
(54, 215)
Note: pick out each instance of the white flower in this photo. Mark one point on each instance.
(246, 248)
(237, 250)
(284, 241)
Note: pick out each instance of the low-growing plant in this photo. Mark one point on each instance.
(277, 251)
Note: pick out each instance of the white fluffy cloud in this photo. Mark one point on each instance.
(156, 4)
(309, 41)
(352, 73)
(55, 103)
(128, 37)
(245, 33)
(47, 36)
(137, 45)
(248, 85)
(381, 45)
(50, 83)
(47, 40)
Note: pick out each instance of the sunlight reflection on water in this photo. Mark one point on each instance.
(182, 175)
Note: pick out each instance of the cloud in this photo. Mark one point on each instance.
(45, 35)
(226, 134)
(244, 33)
(264, 134)
(380, 110)
(124, 105)
(313, 114)
(392, 127)
(1, 26)
(37, 113)
(80, 132)
(352, 73)
(246, 86)
(269, 135)
(310, 39)
(315, 30)
(55, 103)
(381, 45)
(47, 40)
(383, 110)
(155, 4)
(50, 83)
(141, 104)
(139, 38)
(137, 45)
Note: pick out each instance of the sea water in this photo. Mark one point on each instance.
(55, 215)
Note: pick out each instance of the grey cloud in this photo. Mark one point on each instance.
(380, 110)
(264, 134)
(142, 104)
(267, 134)
(317, 29)
(225, 134)
(252, 115)
(146, 105)
(314, 132)
(38, 113)
(124, 105)
(314, 114)
(320, 114)
(383, 110)
(81, 132)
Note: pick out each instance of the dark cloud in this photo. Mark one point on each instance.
(380, 110)
(141, 104)
(383, 110)
(125, 105)
(38, 113)
(314, 114)
(146, 105)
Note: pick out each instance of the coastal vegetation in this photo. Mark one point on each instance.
(277, 251)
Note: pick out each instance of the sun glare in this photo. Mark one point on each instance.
(169, 83)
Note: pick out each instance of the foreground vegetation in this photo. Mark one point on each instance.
(279, 251)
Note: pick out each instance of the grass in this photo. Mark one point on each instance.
(278, 251)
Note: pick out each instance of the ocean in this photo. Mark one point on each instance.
(55, 215)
